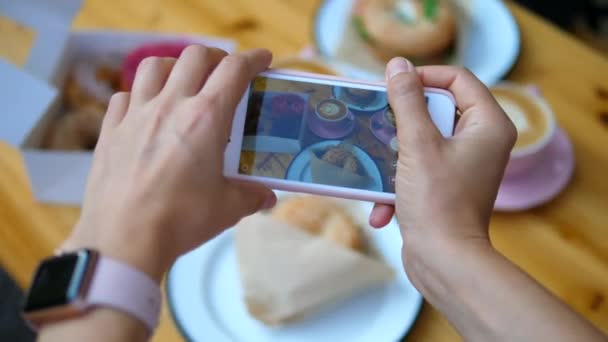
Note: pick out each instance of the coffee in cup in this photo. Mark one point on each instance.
(533, 119)
(331, 119)
(530, 115)
(331, 110)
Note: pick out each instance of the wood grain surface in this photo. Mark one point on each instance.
(563, 244)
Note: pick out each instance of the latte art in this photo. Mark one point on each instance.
(530, 118)
(516, 114)
(331, 110)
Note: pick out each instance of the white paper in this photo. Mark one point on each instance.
(288, 274)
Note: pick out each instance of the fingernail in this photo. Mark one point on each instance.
(373, 218)
(397, 66)
(269, 202)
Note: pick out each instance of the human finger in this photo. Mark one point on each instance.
(150, 78)
(117, 109)
(415, 128)
(381, 215)
(227, 84)
(244, 199)
(192, 69)
(481, 114)
(468, 90)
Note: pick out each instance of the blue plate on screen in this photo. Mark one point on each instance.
(299, 169)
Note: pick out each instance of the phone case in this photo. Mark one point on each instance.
(320, 189)
(289, 72)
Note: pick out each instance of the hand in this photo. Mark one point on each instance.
(156, 188)
(445, 188)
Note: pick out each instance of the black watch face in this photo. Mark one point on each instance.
(57, 281)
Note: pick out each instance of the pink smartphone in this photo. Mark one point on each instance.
(323, 135)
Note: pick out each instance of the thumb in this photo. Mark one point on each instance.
(406, 97)
(245, 198)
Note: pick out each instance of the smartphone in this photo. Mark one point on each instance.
(323, 135)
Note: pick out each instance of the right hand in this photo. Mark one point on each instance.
(445, 188)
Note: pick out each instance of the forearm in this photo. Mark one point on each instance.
(100, 324)
(488, 298)
(156, 188)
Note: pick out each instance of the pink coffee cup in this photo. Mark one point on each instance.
(341, 121)
(524, 158)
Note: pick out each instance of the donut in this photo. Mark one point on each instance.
(91, 84)
(321, 217)
(411, 28)
(156, 49)
(76, 131)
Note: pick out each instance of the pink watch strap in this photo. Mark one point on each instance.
(122, 287)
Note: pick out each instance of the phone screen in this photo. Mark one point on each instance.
(320, 133)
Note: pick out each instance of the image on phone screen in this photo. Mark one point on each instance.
(320, 134)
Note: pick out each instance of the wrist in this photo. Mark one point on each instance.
(122, 243)
(437, 266)
(100, 290)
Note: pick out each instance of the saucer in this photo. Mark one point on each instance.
(385, 133)
(323, 131)
(542, 183)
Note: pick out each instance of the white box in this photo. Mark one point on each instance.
(31, 96)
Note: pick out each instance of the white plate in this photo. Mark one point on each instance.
(204, 296)
(491, 48)
(299, 168)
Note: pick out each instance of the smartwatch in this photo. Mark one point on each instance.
(68, 285)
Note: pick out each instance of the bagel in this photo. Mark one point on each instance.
(76, 131)
(410, 28)
(321, 217)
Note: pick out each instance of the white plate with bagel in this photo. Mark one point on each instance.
(268, 280)
(358, 37)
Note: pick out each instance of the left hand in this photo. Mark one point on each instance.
(156, 188)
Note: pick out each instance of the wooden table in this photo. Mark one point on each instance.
(563, 244)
